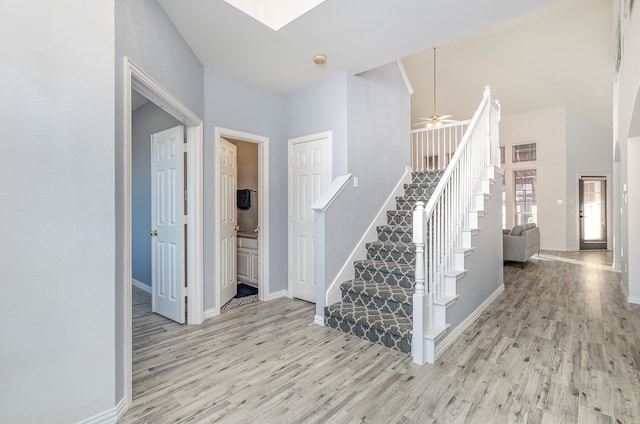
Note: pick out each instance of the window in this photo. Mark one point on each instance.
(502, 155)
(525, 181)
(437, 161)
(524, 152)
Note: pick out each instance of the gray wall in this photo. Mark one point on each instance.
(318, 108)
(57, 226)
(144, 33)
(146, 120)
(484, 264)
(234, 105)
(378, 150)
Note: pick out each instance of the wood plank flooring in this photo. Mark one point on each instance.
(560, 345)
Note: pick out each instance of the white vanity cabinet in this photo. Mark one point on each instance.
(247, 260)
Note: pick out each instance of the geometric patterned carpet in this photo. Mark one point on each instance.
(377, 305)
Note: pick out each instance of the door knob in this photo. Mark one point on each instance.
(153, 233)
(236, 227)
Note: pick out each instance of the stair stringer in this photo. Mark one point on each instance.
(347, 272)
(444, 330)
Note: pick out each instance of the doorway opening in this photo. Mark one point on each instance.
(593, 213)
(136, 80)
(248, 253)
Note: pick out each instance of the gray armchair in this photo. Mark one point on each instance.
(521, 242)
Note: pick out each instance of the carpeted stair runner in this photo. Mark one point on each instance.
(377, 305)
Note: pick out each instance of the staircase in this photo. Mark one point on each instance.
(401, 293)
(377, 305)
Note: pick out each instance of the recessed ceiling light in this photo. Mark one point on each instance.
(319, 59)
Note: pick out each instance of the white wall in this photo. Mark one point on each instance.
(588, 154)
(546, 128)
(57, 255)
(556, 56)
(626, 134)
(569, 145)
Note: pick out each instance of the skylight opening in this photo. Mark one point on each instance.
(274, 13)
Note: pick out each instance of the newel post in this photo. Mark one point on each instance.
(419, 297)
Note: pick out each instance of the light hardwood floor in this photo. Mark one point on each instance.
(560, 345)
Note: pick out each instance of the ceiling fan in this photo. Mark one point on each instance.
(434, 119)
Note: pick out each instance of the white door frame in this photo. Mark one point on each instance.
(135, 77)
(263, 211)
(608, 200)
(329, 164)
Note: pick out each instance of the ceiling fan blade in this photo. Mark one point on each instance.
(443, 117)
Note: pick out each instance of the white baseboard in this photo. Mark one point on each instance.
(142, 286)
(122, 407)
(110, 416)
(453, 336)
(333, 293)
(634, 299)
(210, 313)
(624, 290)
(318, 320)
(276, 295)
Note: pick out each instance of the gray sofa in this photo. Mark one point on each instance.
(521, 242)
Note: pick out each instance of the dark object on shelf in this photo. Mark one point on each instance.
(244, 198)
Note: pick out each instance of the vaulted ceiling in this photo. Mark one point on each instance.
(535, 54)
(561, 55)
(355, 35)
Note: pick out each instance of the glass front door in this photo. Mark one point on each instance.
(593, 213)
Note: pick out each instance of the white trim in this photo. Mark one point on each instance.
(634, 299)
(276, 295)
(327, 197)
(318, 320)
(135, 77)
(140, 285)
(347, 271)
(328, 136)
(624, 290)
(405, 77)
(210, 313)
(609, 206)
(110, 416)
(457, 332)
(263, 211)
(121, 408)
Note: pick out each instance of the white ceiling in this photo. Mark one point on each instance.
(558, 56)
(356, 35)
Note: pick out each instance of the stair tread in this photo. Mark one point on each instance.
(427, 184)
(405, 247)
(394, 228)
(392, 267)
(383, 291)
(413, 198)
(377, 305)
(381, 321)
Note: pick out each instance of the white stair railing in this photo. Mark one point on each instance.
(439, 227)
(433, 148)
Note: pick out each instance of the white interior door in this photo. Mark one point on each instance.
(228, 221)
(167, 235)
(310, 174)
